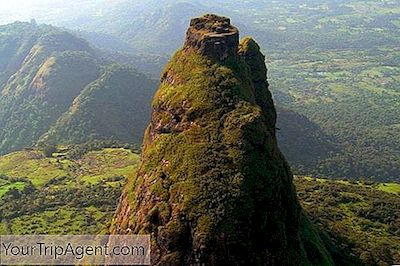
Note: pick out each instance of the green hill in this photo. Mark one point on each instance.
(52, 79)
(211, 171)
(38, 92)
(149, 26)
(108, 108)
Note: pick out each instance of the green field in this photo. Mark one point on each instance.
(62, 195)
(64, 220)
(93, 167)
(390, 187)
(99, 165)
(32, 165)
(6, 187)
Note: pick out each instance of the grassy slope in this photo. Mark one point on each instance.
(34, 166)
(390, 187)
(98, 165)
(4, 188)
(114, 106)
(92, 167)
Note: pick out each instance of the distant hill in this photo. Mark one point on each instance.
(46, 72)
(107, 108)
(121, 51)
(148, 26)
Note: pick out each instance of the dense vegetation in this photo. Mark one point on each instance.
(362, 219)
(61, 195)
(111, 107)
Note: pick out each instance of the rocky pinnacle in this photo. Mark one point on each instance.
(213, 187)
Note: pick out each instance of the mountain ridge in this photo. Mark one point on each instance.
(47, 72)
(117, 115)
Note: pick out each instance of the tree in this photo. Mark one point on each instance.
(49, 149)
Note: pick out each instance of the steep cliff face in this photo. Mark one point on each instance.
(213, 187)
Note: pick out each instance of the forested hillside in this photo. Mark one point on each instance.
(51, 78)
(108, 108)
(359, 218)
(304, 143)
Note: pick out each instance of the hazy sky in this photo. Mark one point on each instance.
(14, 5)
(45, 11)
(11, 10)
